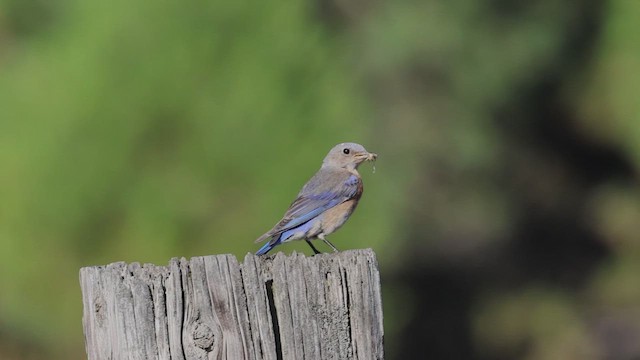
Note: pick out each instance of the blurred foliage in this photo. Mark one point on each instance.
(505, 207)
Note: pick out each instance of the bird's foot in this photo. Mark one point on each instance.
(321, 237)
(315, 251)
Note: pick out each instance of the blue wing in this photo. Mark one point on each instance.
(325, 190)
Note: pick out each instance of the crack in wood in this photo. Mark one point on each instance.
(347, 296)
(275, 325)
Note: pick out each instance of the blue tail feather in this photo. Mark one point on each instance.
(267, 247)
(285, 236)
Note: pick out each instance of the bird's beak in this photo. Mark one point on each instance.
(367, 156)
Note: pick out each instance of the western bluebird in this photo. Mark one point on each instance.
(325, 202)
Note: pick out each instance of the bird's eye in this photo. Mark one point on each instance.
(346, 151)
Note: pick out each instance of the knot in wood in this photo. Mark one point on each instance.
(99, 308)
(203, 337)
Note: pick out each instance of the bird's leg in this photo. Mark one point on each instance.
(315, 251)
(321, 237)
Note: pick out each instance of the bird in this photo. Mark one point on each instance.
(325, 202)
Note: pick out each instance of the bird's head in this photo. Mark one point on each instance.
(348, 156)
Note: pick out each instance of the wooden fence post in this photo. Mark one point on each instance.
(212, 307)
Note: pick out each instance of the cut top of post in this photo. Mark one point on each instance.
(282, 307)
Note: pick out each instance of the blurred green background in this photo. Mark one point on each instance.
(505, 209)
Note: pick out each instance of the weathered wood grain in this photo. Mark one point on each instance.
(283, 307)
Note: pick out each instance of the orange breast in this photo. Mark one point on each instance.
(335, 217)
